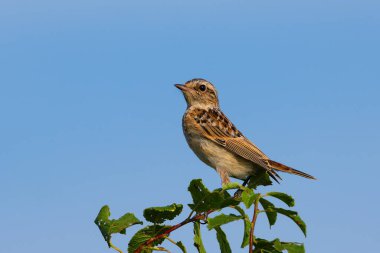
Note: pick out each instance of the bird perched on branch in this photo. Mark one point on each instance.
(217, 142)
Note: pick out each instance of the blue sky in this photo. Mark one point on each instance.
(90, 116)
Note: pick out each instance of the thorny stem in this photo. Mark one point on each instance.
(196, 217)
(253, 223)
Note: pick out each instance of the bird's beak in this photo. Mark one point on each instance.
(183, 88)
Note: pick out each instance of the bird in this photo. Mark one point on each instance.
(218, 143)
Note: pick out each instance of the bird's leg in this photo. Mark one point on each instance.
(246, 180)
(223, 175)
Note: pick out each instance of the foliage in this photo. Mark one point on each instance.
(207, 208)
(160, 214)
(108, 227)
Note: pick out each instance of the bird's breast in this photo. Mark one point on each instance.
(213, 154)
(196, 142)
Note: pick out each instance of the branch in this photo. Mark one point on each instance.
(197, 217)
(253, 223)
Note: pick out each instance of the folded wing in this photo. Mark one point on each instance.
(218, 128)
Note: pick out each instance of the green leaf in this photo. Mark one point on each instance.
(264, 246)
(204, 200)
(223, 242)
(247, 230)
(287, 199)
(290, 247)
(227, 199)
(108, 227)
(143, 235)
(248, 197)
(198, 191)
(158, 215)
(294, 247)
(276, 246)
(261, 178)
(181, 246)
(269, 211)
(247, 226)
(198, 238)
(294, 217)
(231, 185)
(221, 219)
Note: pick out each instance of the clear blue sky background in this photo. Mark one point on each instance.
(89, 114)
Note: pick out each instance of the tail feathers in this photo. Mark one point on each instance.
(273, 174)
(280, 167)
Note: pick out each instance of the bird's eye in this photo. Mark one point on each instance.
(202, 87)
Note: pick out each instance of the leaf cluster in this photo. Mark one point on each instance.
(208, 207)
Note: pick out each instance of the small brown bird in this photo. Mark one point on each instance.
(217, 142)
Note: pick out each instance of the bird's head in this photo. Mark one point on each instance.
(199, 93)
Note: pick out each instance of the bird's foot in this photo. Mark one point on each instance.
(237, 194)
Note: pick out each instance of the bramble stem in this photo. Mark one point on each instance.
(196, 217)
(253, 223)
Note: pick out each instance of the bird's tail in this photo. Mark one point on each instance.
(280, 167)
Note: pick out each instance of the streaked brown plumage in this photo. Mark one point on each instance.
(217, 142)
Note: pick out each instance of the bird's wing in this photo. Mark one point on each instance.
(218, 128)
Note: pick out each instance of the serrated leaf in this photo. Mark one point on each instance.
(294, 247)
(261, 178)
(231, 185)
(220, 220)
(276, 246)
(158, 215)
(247, 229)
(198, 243)
(287, 199)
(269, 211)
(204, 200)
(198, 190)
(248, 197)
(223, 242)
(290, 247)
(265, 246)
(181, 246)
(143, 235)
(247, 226)
(108, 227)
(294, 217)
(227, 199)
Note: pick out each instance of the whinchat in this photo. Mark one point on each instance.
(217, 142)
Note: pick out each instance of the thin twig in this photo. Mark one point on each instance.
(170, 240)
(115, 248)
(191, 213)
(253, 223)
